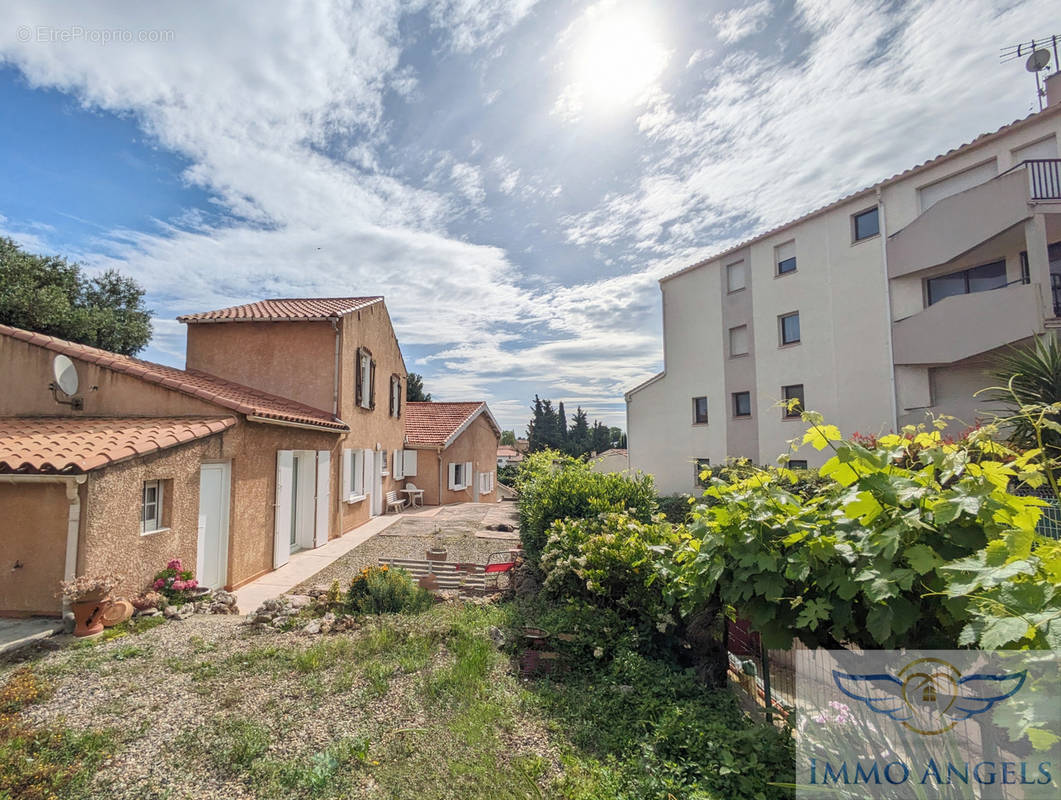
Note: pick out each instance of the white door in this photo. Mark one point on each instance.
(304, 500)
(377, 483)
(211, 568)
(285, 505)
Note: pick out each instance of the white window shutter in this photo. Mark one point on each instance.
(452, 476)
(324, 497)
(469, 476)
(409, 463)
(366, 471)
(346, 490)
(282, 524)
(396, 459)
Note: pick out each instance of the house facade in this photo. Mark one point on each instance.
(286, 428)
(875, 310)
(456, 447)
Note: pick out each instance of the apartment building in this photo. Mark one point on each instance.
(875, 310)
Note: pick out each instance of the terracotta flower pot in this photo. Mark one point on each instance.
(436, 554)
(88, 615)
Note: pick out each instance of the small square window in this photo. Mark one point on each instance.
(797, 463)
(151, 506)
(742, 404)
(735, 278)
(738, 341)
(789, 328)
(699, 410)
(785, 257)
(701, 465)
(866, 224)
(793, 392)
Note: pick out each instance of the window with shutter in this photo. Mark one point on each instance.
(366, 386)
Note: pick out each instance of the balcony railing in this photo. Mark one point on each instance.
(1044, 177)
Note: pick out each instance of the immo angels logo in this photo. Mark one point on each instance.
(929, 696)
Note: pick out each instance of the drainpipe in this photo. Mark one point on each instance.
(883, 217)
(335, 386)
(73, 515)
(440, 476)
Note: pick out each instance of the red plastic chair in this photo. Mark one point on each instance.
(504, 563)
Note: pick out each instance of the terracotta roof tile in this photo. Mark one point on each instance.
(72, 445)
(306, 309)
(433, 424)
(234, 396)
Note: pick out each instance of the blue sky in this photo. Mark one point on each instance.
(513, 176)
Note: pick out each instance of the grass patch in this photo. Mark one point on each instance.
(43, 762)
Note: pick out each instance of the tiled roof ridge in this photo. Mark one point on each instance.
(272, 407)
(285, 309)
(979, 140)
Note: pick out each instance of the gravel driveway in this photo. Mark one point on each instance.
(460, 529)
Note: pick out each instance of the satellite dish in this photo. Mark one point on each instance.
(1038, 61)
(65, 374)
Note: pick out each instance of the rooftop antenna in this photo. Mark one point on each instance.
(1038, 53)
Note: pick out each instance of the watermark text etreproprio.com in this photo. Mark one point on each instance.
(51, 34)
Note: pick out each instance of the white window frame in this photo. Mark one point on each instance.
(353, 476)
(737, 268)
(384, 469)
(747, 340)
(458, 476)
(153, 523)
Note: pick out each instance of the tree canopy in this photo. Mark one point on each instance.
(548, 430)
(414, 389)
(51, 295)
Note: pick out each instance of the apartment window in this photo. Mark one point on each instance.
(151, 506)
(797, 463)
(383, 462)
(353, 475)
(788, 328)
(738, 341)
(365, 388)
(1025, 268)
(742, 404)
(789, 393)
(699, 410)
(396, 396)
(735, 278)
(701, 465)
(785, 257)
(969, 281)
(866, 224)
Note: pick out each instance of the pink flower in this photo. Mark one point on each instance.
(192, 583)
(175, 564)
(178, 586)
(159, 583)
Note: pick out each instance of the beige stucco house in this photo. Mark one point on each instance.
(456, 446)
(875, 310)
(286, 428)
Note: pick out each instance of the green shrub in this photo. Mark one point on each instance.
(611, 561)
(553, 487)
(675, 508)
(383, 590)
(864, 560)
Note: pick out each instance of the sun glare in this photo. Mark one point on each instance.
(617, 58)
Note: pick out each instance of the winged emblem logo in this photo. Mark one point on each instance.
(929, 696)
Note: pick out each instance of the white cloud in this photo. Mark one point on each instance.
(739, 23)
(469, 182)
(765, 140)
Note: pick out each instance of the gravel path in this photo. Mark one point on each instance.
(460, 529)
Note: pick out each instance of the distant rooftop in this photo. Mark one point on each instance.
(438, 424)
(304, 309)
